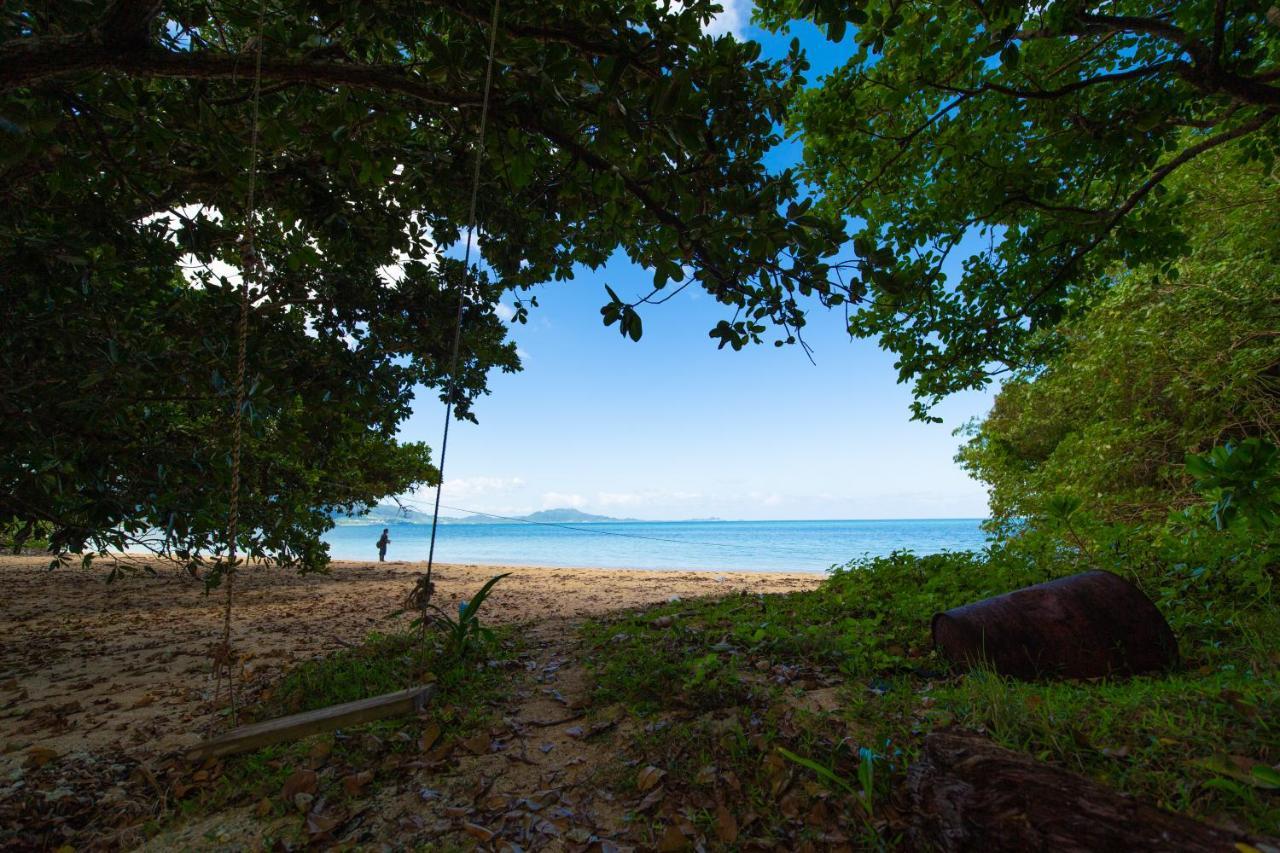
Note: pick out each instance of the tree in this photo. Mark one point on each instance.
(124, 178)
(1160, 368)
(1035, 141)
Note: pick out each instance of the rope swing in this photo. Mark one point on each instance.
(251, 269)
(420, 597)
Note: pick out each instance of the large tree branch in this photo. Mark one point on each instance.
(1132, 201)
(1219, 32)
(637, 191)
(120, 42)
(1205, 72)
(1073, 87)
(1250, 90)
(1061, 91)
(1148, 26)
(575, 38)
(24, 64)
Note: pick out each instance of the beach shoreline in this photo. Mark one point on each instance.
(500, 566)
(126, 666)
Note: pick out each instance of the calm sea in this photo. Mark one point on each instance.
(755, 546)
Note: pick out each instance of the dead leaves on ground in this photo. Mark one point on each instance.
(39, 756)
(649, 777)
(711, 805)
(430, 736)
(726, 825)
(301, 782)
(69, 800)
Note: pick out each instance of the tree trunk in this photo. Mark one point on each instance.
(966, 793)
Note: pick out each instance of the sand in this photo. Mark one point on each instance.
(125, 667)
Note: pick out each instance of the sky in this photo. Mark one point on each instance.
(672, 428)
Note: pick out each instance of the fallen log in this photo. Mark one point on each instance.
(969, 794)
(297, 726)
(1090, 625)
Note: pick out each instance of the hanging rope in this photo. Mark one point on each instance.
(422, 593)
(250, 267)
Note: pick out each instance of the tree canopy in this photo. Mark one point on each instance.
(1031, 141)
(123, 184)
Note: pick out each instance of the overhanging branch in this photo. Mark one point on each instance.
(25, 64)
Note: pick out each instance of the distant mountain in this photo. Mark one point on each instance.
(390, 514)
(567, 515)
(385, 514)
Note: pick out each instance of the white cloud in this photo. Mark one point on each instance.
(504, 311)
(465, 488)
(473, 237)
(651, 498)
(732, 18)
(555, 500)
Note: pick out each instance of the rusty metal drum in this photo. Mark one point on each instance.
(1088, 625)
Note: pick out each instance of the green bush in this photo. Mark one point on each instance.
(1165, 363)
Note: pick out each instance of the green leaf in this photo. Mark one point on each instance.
(1265, 776)
(826, 773)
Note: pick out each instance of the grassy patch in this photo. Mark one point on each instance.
(1178, 740)
(349, 764)
(866, 621)
(385, 663)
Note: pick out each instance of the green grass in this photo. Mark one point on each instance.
(385, 663)
(1165, 738)
(466, 692)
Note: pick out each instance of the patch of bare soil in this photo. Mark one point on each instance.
(536, 780)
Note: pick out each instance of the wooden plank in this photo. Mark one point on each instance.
(296, 726)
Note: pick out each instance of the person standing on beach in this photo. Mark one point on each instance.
(383, 541)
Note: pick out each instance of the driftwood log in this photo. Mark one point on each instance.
(968, 794)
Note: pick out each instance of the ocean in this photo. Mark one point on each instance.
(751, 546)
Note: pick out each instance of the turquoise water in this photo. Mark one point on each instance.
(756, 546)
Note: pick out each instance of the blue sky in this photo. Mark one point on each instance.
(670, 427)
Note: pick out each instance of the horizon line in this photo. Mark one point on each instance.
(703, 519)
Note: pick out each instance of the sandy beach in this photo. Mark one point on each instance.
(125, 667)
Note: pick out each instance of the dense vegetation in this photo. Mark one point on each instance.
(1035, 142)
(125, 164)
(1165, 393)
(1199, 740)
(1163, 364)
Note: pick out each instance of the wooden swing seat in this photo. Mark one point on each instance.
(307, 723)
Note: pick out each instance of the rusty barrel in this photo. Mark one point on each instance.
(1084, 626)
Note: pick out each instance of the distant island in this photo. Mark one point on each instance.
(387, 514)
(568, 514)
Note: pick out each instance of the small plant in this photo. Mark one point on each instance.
(865, 790)
(463, 635)
(1238, 531)
(1243, 482)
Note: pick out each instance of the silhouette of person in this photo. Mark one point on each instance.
(383, 541)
